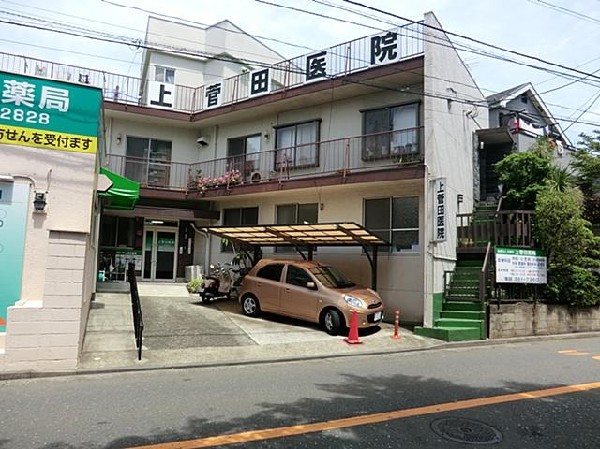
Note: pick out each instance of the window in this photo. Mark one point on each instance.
(297, 276)
(148, 161)
(390, 132)
(296, 214)
(244, 155)
(271, 272)
(236, 217)
(395, 220)
(297, 145)
(164, 75)
(117, 231)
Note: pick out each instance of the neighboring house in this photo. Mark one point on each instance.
(377, 131)
(517, 117)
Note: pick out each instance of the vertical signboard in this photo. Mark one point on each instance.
(13, 213)
(440, 212)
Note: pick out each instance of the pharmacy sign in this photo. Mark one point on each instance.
(49, 114)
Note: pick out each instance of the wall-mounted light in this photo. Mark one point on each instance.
(119, 138)
(39, 202)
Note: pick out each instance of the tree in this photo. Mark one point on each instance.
(523, 176)
(586, 162)
(570, 245)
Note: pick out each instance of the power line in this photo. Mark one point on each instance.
(180, 51)
(471, 39)
(567, 11)
(454, 45)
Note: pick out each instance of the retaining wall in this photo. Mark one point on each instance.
(525, 319)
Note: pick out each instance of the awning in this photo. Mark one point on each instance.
(305, 236)
(322, 234)
(122, 194)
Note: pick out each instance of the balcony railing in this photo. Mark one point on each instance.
(342, 60)
(338, 156)
(501, 228)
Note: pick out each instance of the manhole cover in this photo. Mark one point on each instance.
(463, 430)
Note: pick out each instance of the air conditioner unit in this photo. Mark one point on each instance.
(255, 176)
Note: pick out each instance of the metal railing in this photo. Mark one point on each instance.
(138, 322)
(341, 60)
(501, 228)
(338, 156)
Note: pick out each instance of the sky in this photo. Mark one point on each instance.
(556, 32)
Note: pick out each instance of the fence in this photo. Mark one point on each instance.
(138, 322)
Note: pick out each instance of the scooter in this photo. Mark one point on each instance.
(218, 285)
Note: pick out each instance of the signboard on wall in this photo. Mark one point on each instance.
(440, 212)
(49, 114)
(160, 94)
(520, 266)
(13, 212)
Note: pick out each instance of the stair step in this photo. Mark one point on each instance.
(465, 306)
(449, 334)
(474, 297)
(463, 314)
(457, 322)
(463, 289)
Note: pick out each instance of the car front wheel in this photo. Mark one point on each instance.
(332, 322)
(250, 306)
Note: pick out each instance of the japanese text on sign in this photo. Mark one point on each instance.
(440, 206)
(520, 266)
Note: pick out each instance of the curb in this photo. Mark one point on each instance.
(23, 375)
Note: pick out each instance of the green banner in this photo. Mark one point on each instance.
(49, 114)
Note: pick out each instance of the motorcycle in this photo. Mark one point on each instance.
(218, 285)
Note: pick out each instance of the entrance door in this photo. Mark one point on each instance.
(159, 254)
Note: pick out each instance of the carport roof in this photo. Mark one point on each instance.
(321, 234)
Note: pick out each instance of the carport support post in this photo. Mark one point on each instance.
(374, 268)
(257, 254)
(310, 252)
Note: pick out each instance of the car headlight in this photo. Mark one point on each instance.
(355, 302)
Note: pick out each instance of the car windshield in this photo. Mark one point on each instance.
(331, 278)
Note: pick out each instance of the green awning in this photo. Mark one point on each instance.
(122, 194)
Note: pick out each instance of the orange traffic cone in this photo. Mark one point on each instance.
(352, 338)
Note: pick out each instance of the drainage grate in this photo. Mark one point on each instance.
(463, 430)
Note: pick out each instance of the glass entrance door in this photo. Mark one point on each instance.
(159, 254)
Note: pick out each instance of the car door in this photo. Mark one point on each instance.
(267, 285)
(297, 299)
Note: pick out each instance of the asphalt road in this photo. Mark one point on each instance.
(409, 400)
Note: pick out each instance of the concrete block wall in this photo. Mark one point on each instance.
(46, 334)
(525, 319)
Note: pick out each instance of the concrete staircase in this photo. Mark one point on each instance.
(461, 317)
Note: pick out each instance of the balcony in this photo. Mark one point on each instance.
(342, 60)
(500, 228)
(337, 157)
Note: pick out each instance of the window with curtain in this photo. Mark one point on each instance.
(244, 154)
(164, 74)
(148, 161)
(236, 217)
(297, 145)
(396, 220)
(390, 132)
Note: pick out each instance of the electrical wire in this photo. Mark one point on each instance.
(113, 40)
(471, 39)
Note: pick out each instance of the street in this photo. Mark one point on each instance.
(405, 400)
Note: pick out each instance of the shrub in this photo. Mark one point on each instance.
(194, 285)
(573, 285)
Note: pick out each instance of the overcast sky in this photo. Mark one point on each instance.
(557, 31)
